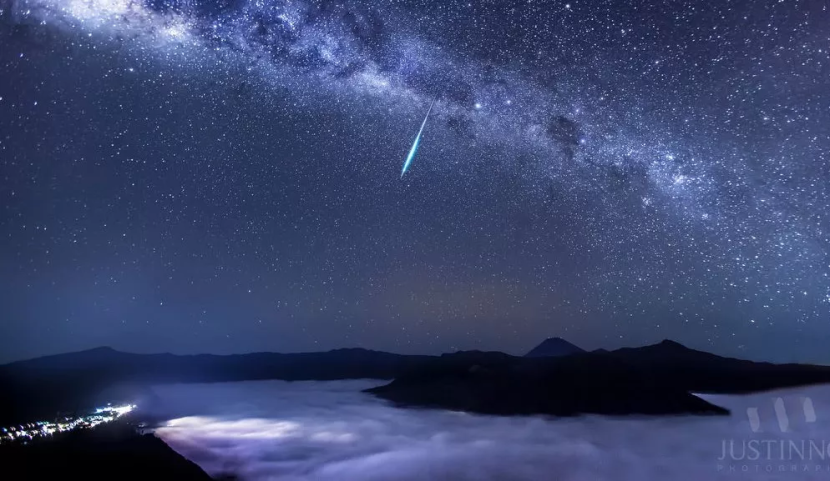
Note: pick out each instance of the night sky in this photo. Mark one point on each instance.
(202, 176)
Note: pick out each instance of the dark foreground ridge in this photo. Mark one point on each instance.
(651, 380)
(107, 452)
(572, 385)
(655, 379)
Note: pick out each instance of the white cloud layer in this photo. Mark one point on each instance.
(274, 430)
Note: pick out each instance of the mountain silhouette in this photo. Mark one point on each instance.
(555, 378)
(554, 347)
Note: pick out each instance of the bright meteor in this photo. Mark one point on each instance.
(415, 144)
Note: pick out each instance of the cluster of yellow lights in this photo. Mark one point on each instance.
(38, 429)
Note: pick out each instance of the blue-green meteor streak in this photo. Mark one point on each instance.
(415, 144)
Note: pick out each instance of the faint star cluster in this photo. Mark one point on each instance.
(196, 175)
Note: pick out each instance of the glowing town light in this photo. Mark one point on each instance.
(96, 417)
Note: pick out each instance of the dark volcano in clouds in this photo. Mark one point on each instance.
(554, 347)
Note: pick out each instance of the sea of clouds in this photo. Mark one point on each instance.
(276, 430)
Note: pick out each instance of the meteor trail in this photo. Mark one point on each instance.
(415, 144)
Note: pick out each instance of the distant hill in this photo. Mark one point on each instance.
(704, 372)
(80, 380)
(554, 347)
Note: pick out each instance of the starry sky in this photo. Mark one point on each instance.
(224, 176)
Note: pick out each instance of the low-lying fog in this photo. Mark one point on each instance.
(275, 430)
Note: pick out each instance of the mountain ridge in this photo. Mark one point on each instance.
(667, 369)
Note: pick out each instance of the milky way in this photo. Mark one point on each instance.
(223, 176)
